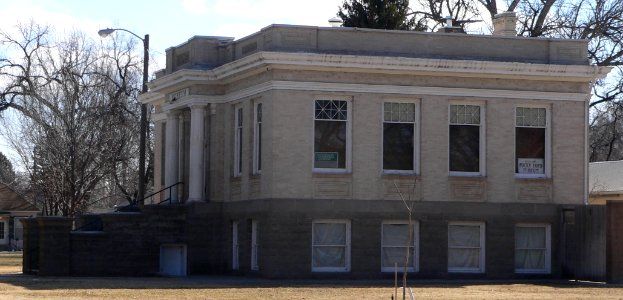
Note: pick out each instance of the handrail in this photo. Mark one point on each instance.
(160, 192)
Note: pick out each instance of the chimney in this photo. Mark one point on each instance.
(504, 24)
(450, 28)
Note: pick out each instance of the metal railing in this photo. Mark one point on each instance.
(172, 191)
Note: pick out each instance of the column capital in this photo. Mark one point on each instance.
(172, 113)
(196, 106)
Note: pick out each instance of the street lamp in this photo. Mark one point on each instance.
(143, 137)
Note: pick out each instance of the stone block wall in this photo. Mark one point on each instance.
(614, 242)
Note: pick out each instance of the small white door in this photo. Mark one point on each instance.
(173, 260)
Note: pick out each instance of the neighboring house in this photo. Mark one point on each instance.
(13, 207)
(304, 135)
(605, 181)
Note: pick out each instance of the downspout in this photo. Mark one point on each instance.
(587, 117)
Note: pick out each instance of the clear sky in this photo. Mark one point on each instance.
(168, 22)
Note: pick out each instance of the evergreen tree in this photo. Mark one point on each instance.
(7, 174)
(378, 14)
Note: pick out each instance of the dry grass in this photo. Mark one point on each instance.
(10, 262)
(207, 287)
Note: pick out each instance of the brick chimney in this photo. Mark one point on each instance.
(504, 24)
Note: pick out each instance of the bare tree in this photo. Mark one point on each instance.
(77, 131)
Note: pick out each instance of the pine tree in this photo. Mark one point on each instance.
(7, 174)
(378, 14)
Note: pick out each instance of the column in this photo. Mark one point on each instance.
(195, 178)
(171, 160)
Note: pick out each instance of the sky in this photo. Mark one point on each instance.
(168, 22)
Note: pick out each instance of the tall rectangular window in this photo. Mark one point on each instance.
(331, 135)
(254, 246)
(531, 142)
(238, 142)
(532, 248)
(2, 229)
(397, 241)
(257, 140)
(466, 247)
(466, 141)
(235, 247)
(331, 246)
(399, 121)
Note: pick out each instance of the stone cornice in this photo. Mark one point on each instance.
(377, 64)
(323, 87)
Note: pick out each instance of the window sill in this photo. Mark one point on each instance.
(522, 179)
(536, 272)
(386, 175)
(466, 174)
(465, 271)
(317, 174)
(400, 269)
(467, 178)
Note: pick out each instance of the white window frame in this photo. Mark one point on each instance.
(482, 145)
(346, 268)
(416, 136)
(254, 246)
(481, 267)
(349, 121)
(235, 246)
(257, 142)
(238, 139)
(548, 145)
(548, 249)
(415, 264)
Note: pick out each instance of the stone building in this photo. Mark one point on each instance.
(305, 139)
(298, 151)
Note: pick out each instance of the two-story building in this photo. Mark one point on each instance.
(310, 138)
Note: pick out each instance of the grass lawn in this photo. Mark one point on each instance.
(17, 286)
(10, 262)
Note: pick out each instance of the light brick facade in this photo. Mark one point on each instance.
(288, 68)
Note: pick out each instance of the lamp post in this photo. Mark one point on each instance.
(143, 121)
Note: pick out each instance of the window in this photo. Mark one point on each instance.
(532, 248)
(3, 227)
(331, 135)
(257, 140)
(399, 121)
(531, 142)
(466, 251)
(235, 247)
(466, 145)
(396, 241)
(331, 246)
(254, 246)
(238, 142)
